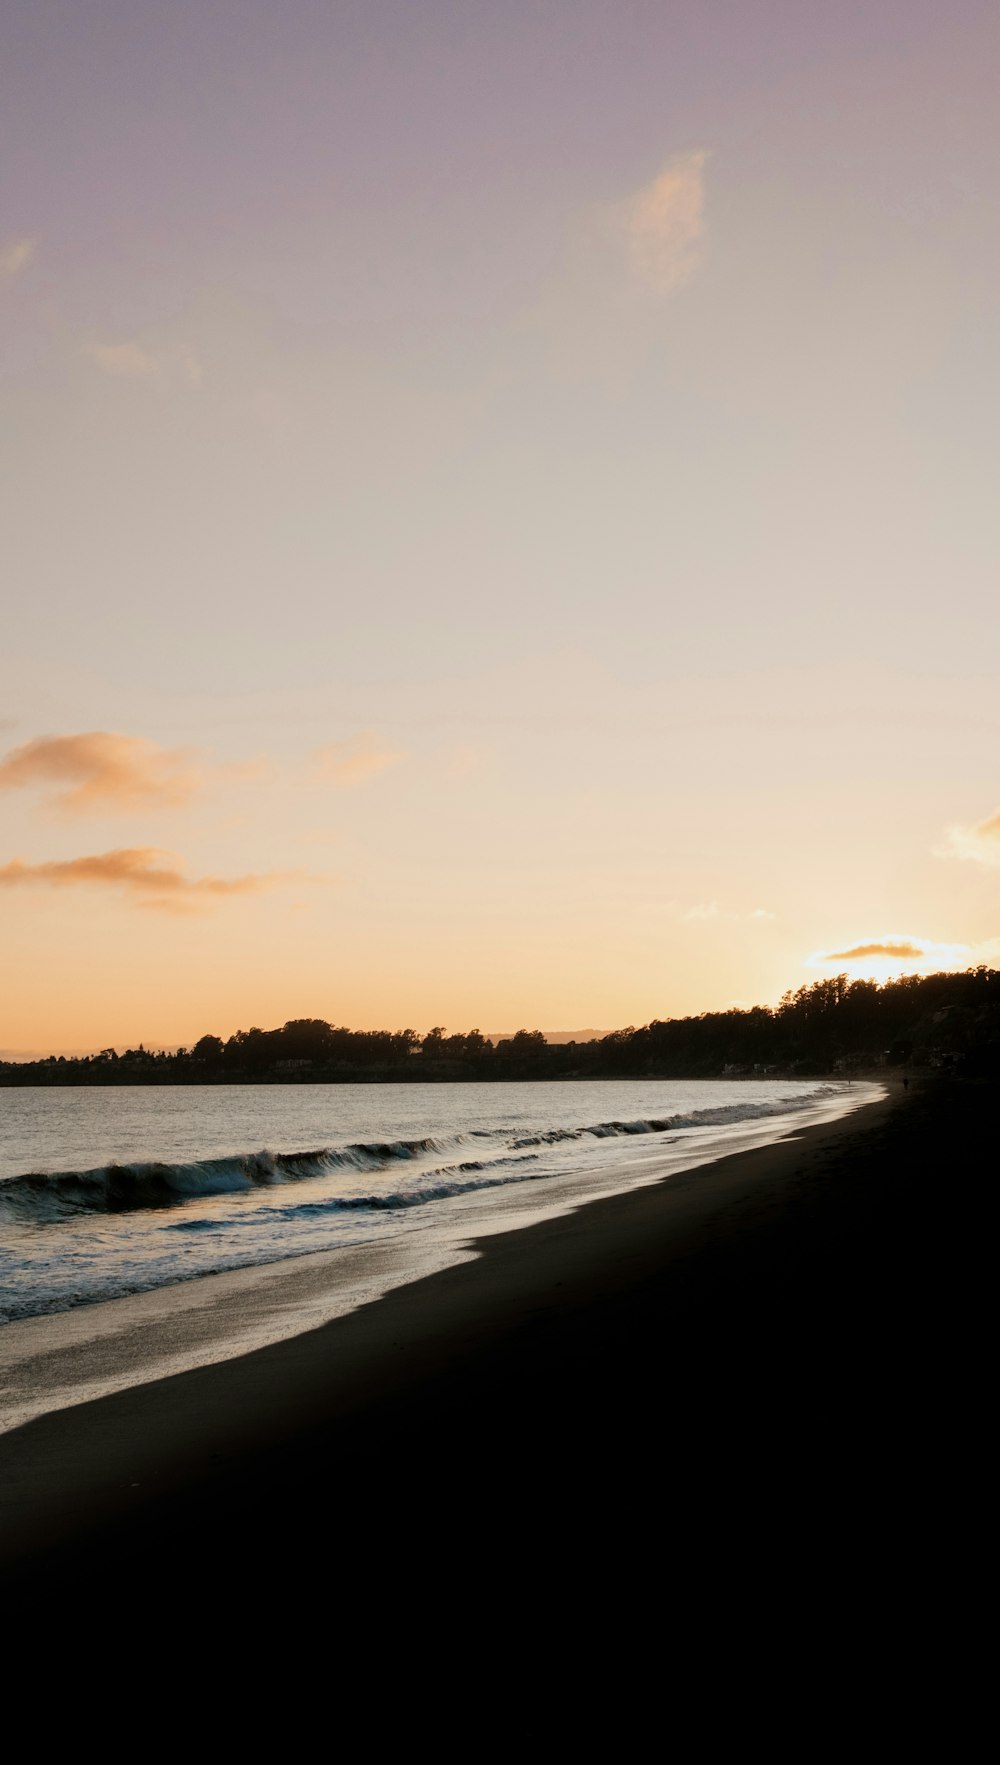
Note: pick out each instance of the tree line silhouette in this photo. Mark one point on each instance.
(939, 1020)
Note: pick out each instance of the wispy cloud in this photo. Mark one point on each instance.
(664, 224)
(15, 257)
(152, 877)
(131, 361)
(704, 910)
(128, 361)
(102, 769)
(348, 762)
(601, 307)
(979, 843)
(712, 910)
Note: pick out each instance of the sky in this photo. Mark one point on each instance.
(497, 509)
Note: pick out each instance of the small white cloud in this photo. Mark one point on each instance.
(712, 910)
(979, 844)
(704, 910)
(664, 224)
(128, 361)
(16, 257)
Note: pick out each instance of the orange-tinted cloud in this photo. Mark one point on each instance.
(904, 948)
(350, 761)
(127, 361)
(154, 877)
(102, 770)
(880, 958)
(130, 361)
(16, 257)
(981, 842)
(664, 224)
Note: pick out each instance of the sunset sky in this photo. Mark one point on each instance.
(499, 508)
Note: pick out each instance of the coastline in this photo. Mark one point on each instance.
(124, 1460)
(201, 1316)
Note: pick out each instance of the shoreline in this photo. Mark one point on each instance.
(868, 1072)
(56, 1359)
(196, 1316)
(129, 1461)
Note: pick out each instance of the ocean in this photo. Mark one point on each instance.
(115, 1191)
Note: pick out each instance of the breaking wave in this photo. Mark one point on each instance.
(47, 1197)
(438, 1185)
(725, 1115)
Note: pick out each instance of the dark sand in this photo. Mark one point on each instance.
(683, 1399)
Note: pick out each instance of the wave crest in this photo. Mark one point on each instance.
(724, 1115)
(43, 1198)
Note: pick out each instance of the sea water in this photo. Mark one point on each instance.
(108, 1192)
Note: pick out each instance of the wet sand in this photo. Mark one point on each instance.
(732, 1369)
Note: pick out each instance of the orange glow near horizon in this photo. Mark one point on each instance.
(329, 883)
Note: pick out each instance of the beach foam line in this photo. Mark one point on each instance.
(723, 1116)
